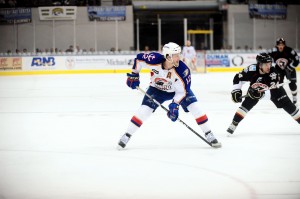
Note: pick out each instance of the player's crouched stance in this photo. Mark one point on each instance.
(261, 76)
(170, 80)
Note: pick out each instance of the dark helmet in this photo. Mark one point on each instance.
(280, 41)
(263, 58)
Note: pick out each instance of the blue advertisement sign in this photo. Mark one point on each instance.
(217, 60)
(43, 61)
(15, 15)
(107, 13)
(267, 11)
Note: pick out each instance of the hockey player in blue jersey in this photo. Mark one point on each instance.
(170, 80)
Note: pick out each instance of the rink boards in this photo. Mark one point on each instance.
(90, 64)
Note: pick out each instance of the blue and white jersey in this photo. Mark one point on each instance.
(176, 79)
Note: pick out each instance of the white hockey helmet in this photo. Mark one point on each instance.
(170, 49)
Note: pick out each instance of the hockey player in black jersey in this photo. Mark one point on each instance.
(286, 60)
(262, 76)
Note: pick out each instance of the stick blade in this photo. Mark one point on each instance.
(216, 145)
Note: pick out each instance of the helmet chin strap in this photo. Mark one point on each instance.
(171, 61)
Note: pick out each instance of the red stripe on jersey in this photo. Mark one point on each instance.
(202, 119)
(136, 121)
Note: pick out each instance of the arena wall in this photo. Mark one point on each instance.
(20, 36)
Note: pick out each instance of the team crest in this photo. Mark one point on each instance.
(185, 73)
(259, 86)
(282, 63)
(273, 76)
(162, 84)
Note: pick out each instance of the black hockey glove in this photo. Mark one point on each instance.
(133, 80)
(255, 94)
(236, 95)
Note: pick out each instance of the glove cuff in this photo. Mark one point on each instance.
(236, 90)
(133, 74)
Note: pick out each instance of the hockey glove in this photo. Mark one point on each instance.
(133, 80)
(236, 95)
(173, 111)
(255, 94)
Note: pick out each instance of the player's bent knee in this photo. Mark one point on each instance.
(281, 103)
(144, 112)
(280, 98)
(195, 109)
(293, 85)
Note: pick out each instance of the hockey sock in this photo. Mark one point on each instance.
(199, 116)
(296, 115)
(142, 114)
(240, 114)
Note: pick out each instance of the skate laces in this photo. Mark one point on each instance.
(232, 127)
(294, 97)
(125, 138)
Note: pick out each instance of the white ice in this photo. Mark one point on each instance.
(58, 138)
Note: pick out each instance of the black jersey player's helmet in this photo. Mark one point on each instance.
(280, 41)
(263, 58)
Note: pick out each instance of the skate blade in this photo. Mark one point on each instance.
(120, 148)
(217, 145)
(229, 134)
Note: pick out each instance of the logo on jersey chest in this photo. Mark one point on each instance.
(259, 86)
(273, 76)
(282, 63)
(162, 84)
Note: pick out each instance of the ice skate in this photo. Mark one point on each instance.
(211, 139)
(123, 141)
(231, 129)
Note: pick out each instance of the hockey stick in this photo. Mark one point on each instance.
(266, 89)
(163, 107)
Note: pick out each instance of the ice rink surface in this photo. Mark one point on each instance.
(58, 138)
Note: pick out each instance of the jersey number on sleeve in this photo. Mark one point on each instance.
(188, 79)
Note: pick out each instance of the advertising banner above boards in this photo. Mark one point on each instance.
(267, 11)
(58, 13)
(15, 15)
(107, 13)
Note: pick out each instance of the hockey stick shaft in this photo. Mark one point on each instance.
(163, 107)
(266, 89)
